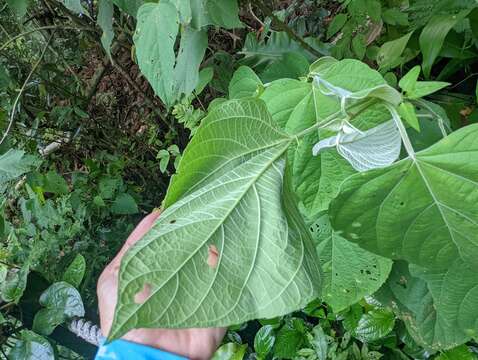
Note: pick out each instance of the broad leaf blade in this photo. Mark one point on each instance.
(191, 52)
(225, 241)
(31, 346)
(75, 272)
(422, 210)
(350, 273)
(224, 13)
(375, 325)
(290, 65)
(424, 88)
(375, 148)
(264, 341)
(19, 7)
(297, 105)
(438, 308)
(105, 21)
(13, 164)
(390, 54)
(433, 35)
(244, 83)
(154, 38)
(407, 83)
(61, 301)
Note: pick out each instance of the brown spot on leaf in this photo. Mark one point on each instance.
(143, 295)
(213, 256)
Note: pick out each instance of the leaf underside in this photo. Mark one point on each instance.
(243, 210)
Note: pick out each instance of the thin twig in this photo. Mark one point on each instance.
(284, 27)
(255, 16)
(22, 89)
(49, 27)
(149, 101)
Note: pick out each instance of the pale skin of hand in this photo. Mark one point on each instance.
(194, 344)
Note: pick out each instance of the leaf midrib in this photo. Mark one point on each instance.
(416, 162)
(247, 188)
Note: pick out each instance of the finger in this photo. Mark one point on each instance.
(143, 227)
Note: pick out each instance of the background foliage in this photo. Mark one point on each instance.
(98, 100)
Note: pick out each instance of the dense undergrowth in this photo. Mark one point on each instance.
(96, 113)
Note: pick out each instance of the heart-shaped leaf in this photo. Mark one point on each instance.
(232, 245)
(422, 209)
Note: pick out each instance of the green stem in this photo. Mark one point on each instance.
(22, 89)
(403, 132)
(50, 27)
(364, 105)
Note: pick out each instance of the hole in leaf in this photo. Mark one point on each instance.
(143, 295)
(212, 256)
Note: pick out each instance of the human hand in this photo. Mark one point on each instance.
(191, 343)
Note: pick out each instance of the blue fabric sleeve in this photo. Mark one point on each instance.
(125, 350)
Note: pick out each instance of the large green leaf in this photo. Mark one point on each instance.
(155, 37)
(433, 35)
(124, 204)
(105, 21)
(320, 342)
(223, 13)
(61, 301)
(350, 273)
(375, 325)
(297, 105)
(290, 65)
(75, 272)
(264, 341)
(19, 7)
(230, 245)
(390, 53)
(191, 52)
(288, 99)
(184, 9)
(422, 209)
(244, 83)
(31, 346)
(290, 339)
(259, 52)
(13, 164)
(14, 284)
(438, 308)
